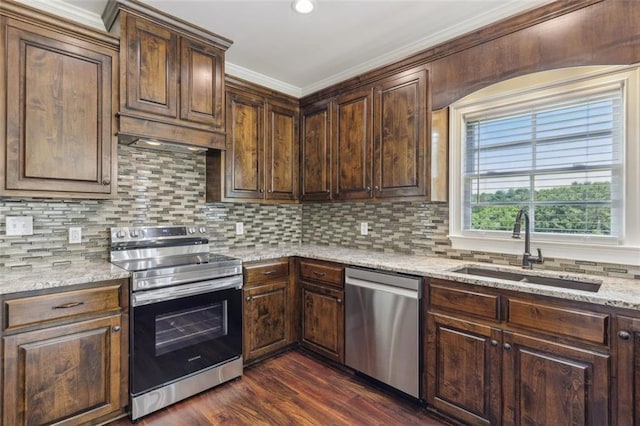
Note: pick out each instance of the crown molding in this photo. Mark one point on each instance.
(263, 80)
(67, 10)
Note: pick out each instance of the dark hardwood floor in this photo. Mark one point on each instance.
(292, 389)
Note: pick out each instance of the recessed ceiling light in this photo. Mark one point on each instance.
(303, 6)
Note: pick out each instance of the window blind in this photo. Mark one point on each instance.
(560, 157)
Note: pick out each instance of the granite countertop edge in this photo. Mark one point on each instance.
(615, 292)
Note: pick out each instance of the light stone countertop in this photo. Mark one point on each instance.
(618, 292)
(14, 281)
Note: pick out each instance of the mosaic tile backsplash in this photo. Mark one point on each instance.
(154, 188)
(166, 188)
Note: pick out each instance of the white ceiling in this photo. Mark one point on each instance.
(300, 54)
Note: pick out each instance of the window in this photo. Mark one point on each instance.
(565, 149)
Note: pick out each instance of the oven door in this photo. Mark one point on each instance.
(180, 330)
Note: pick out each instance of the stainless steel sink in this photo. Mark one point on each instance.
(592, 286)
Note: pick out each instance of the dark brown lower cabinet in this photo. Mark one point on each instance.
(64, 375)
(269, 308)
(627, 371)
(267, 325)
(546, 383)
(463, 369)
(323, 320)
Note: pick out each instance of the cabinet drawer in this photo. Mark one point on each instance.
(51, 307)
(325, 272)
(574, 323)
(255, 273)
(464, 301)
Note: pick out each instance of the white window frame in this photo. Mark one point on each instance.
(624, 250)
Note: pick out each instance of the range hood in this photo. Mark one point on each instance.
(157, 145)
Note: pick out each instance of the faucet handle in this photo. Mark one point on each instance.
(540, 259)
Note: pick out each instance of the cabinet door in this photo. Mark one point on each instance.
(202, 84)
(59, 114)
(151, 74)
(627, 371)
(68, 374)
(315, 169)
(463, 369)
(281, 153)
(266, 319)
(244, 157)
(323, 320)
(547, 383)
(400, 136)
(353, 148)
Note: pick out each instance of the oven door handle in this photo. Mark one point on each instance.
(177, 292)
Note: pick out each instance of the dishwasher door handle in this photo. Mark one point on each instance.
(349, 281)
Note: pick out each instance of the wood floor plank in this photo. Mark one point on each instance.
(291, 389)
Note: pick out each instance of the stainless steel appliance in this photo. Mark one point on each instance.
(185, 314)
(382, 327)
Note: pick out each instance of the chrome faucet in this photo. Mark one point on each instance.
(527, 259)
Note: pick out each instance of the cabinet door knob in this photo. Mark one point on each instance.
(507, 347)
(624, 335)
(248, 299)
(270, 191)
(106, 181)
(261, 190)
(494, 343)
(377, 188)
(339, 301)
(368, 189)
(116, 328)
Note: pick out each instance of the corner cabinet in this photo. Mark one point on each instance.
(172, 78)
(60, 103)
(261, 160)
(63, 356)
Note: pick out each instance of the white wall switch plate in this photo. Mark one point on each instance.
(19, 225)
(239, 228)
(75, 235)
(364, 228)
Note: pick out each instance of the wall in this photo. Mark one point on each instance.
(417, 228)
(154, 188)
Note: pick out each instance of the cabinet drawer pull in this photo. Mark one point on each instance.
(624, 335)
(271, 272)
(116, 328)
(507, 347)
(494, 343)
(68, 305)
(319, 274)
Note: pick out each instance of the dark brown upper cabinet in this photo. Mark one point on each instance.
(261, 160)
(353, 146)
(171, 79)
(59, 82)
(381, 143)
(315, 147)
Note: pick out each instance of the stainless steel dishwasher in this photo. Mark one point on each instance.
(382, 327)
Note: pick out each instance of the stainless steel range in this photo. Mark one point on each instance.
(185, 317)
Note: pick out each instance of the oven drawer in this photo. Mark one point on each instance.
(263, 271)
(58, 306)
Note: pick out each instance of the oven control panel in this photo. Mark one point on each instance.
(153, 233)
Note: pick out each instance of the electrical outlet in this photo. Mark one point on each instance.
(75, 235)
(239, 228)
(19, 225)
(364, 228)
